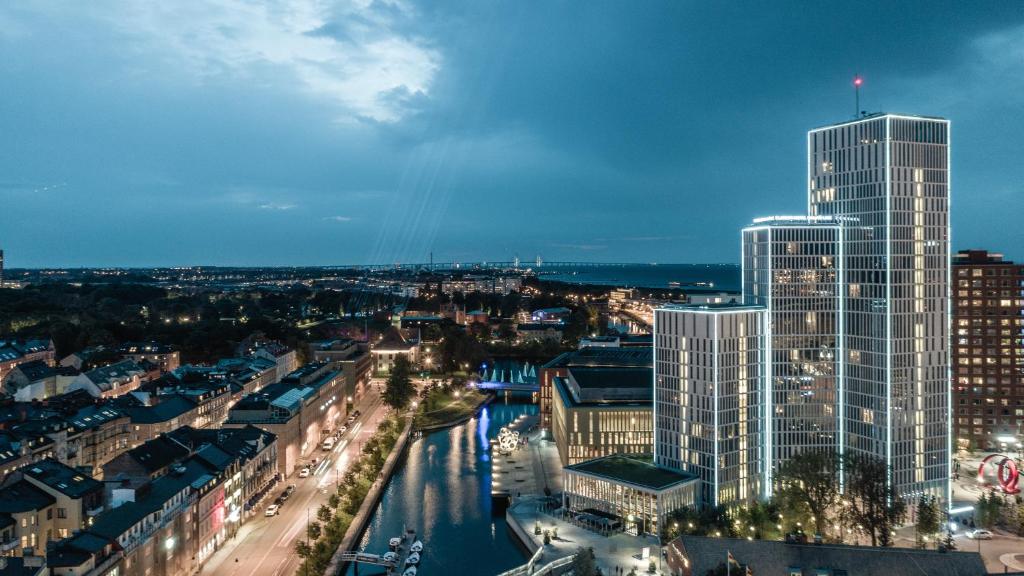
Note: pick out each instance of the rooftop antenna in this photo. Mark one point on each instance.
(857, 81)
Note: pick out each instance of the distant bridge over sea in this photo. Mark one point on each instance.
(485, 265)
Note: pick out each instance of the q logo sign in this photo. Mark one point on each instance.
(1007, 475)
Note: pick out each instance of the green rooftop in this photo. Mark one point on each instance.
(633, 469)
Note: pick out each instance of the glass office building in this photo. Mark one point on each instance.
(842, 341)
(792, 266)
(708, 398)
(891, 174)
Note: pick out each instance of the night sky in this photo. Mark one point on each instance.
(149, 133)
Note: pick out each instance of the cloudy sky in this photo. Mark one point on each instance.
(314, 132)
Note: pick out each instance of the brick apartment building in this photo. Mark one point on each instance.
(988, 351)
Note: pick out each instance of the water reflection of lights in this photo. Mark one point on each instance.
(482, 426)
(450, 507)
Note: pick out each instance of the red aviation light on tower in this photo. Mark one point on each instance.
(857, 81)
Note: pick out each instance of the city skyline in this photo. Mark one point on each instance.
(291, 135)
(297, 287)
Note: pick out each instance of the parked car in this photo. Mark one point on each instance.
(304, 472)
(289, 489)
(272, 510)
(979, 535)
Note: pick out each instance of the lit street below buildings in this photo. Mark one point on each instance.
(266, 545)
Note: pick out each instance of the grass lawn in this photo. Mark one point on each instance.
(442, 407)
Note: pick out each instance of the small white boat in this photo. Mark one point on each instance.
(395, 542)
(413, 558)
(417, 546)
(391, 557)
(410, 571)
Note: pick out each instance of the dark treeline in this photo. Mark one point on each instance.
(205, 325)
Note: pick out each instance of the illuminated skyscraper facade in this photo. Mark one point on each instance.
(890, 174)
(848, 310)
(792, 266)
(709, 398)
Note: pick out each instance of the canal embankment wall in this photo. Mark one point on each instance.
(369, 506)
(520, 532)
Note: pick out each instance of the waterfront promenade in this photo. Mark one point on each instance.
(620, 550)
(370, 502)
(617, 551)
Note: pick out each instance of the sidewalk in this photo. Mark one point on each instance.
(546, 465)
(620, 550)
(369, 506)
(264, 537)
(1013, 562)
(215, 563)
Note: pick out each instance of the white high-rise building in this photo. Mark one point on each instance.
(842, 342)
(792, 266)
(709, 399)
(890, 174)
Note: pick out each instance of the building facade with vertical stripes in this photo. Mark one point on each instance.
(709, 398)
(843, 339)
(891, 174)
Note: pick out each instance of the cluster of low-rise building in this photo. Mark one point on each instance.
(171, 502)
(486, 284)
(123, 460)
(302, 410)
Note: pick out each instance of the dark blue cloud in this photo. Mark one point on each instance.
(474, 130)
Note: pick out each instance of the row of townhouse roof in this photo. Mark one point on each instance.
(14, 351)
(86, 429)
(87, 418)
(171, 502)
(164, 357)
(302, 409)
(28, 369)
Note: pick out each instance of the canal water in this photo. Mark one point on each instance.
(443, 491)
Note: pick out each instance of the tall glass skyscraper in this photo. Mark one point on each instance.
(848, 309)
(708, 398)
(792, 265)
(890, 174)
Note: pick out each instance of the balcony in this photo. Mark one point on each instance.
(94, 511)
(9, 545)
